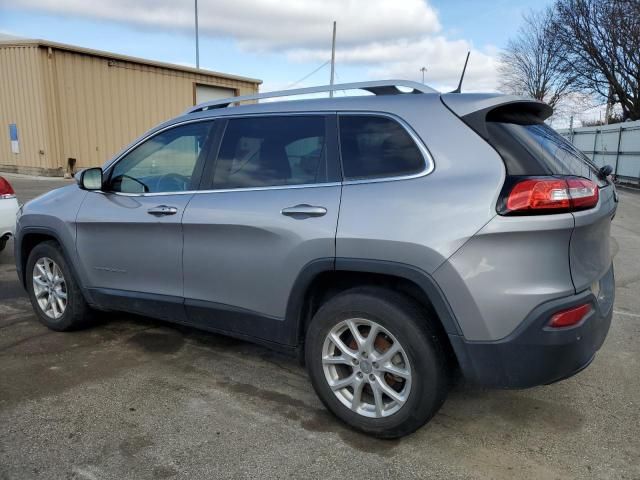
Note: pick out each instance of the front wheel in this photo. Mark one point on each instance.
(375, 362)
(53, 291)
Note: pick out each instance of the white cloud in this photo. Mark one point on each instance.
(443, 59)
(264, 24)
(389, 38)
(6, 36)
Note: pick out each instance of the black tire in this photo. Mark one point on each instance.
(3, 242)
(408, 323)
(77, 313)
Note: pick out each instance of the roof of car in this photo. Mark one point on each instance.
(374, 95)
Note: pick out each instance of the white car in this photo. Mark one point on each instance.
(8, 210)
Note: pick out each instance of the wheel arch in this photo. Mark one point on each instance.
(324, 278)
(28, 239)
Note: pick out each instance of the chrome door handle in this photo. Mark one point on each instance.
(304, 210)
(162, 210)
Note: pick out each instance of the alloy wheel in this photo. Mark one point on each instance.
(366, 368)
(49, 288)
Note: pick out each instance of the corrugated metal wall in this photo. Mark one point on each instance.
(617, 145)
(23, 102)
(73, 105)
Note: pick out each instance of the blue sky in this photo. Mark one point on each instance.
(280, 42)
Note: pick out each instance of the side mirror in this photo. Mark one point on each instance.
(90, 179)
(605, 171)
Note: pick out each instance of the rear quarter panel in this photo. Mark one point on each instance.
(510, 267)
(423, 221)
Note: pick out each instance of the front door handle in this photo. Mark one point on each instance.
(303, 211)
(161, 210)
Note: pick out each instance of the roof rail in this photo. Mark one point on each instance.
(379, 87)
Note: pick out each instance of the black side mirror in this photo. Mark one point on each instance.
(90, 179)
(605, 171)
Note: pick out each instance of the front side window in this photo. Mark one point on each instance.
(164, 163)
(271, 151)
(375, 147)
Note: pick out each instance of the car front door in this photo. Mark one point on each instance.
(129, 236)
(269, 211)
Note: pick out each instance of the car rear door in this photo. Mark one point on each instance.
(129, 235)
(268, 210)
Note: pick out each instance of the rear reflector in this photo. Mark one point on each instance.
(6, 191)
(534, 196)
(570, 317)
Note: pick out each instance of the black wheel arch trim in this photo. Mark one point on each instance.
(416, 275)
(419, 277)
(297, 296)
(21, 263)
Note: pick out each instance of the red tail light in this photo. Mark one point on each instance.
(570, 317)
(6, 191)
(584, 193)
(531, 196)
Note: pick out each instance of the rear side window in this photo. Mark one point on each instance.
(555, 155)
(376, 147)
(271, 151)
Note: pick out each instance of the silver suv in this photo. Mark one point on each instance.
(390, 240)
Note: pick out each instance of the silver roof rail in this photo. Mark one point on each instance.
(379, 87)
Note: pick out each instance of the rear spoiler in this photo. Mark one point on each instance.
(476, 109)
(464, 104)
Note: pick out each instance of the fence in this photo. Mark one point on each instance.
(617, 145)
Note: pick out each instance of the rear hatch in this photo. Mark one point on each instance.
(531, 149)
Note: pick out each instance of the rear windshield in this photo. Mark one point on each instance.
(551, 150)
(527, 145)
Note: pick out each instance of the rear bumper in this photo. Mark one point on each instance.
(536, 355)
(8, 209)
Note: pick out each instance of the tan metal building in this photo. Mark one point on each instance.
(60, 102)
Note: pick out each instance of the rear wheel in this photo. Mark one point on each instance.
(53, 291)
(375, 363)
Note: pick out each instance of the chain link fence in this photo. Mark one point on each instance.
(617, 145)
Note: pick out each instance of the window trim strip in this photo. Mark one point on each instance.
(227, 190)
(429, 163)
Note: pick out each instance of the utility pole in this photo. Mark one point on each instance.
(423, 70)
(333, 58)
(197, 40)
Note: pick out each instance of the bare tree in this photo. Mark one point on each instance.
(600, 41)
(533, 63)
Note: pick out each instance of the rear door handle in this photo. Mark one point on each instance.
(304, 210)
(161, 210)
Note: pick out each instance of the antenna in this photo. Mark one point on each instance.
(464, 69)
(333, 58)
